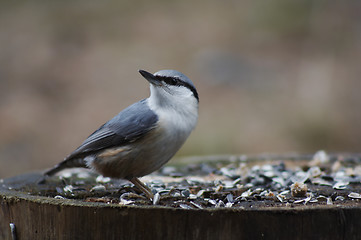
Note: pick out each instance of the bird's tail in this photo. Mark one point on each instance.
(67, 163)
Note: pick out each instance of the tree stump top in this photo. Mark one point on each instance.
(229, 197)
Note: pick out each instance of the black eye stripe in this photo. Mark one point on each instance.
(170, 80)
(177, 82)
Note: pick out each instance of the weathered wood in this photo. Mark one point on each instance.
(38, 217)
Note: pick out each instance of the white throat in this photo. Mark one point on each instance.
(178, 108)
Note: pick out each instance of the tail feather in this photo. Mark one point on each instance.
(67, 163)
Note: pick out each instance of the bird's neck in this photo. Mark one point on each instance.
(182, 113)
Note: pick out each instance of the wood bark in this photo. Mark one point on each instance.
(47, 218)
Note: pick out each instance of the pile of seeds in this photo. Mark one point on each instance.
(228, 182)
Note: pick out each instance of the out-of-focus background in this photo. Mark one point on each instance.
(273, 76)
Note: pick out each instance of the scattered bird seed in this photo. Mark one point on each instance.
(239, 182)
(101, 179)
(354, 195)
(125, 202)
(130, 195)
(230, 198)
(320, 157)
(196, 205)
(68, 188)
(340, 185)
(59, 197)
(185, 206)
(229, 204)
(193, 196)
(314, 172)
(185, 193)
(219, 188)
(280, 197)
(220, 203)
(304, 201)
(319, 181)
(211, 201)
(339, 198)
(98, 188)
(247, 193)
(156, 199)
(200, 193)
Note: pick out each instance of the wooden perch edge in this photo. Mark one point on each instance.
(36, 217)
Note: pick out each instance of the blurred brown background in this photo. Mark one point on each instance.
(273, 76)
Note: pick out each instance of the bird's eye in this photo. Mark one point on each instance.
(173, 81)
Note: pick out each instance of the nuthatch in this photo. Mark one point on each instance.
(145, 135)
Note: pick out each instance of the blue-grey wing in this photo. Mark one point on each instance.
(128, 126)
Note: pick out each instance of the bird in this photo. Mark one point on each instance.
(144, 136)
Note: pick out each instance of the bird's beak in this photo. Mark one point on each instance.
(150, 78)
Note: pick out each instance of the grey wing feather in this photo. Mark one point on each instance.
(128, 126)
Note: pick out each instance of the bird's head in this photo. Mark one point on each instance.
(170, 87)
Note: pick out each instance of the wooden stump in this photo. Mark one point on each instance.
(36, 217)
